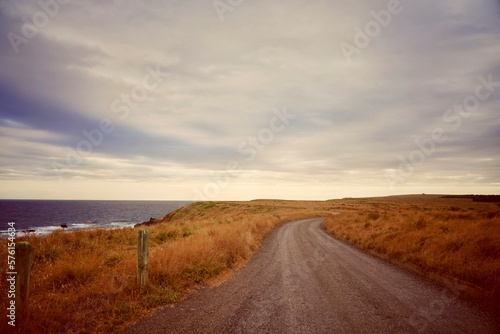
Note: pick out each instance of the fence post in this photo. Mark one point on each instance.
(24, 255)
(142, 258)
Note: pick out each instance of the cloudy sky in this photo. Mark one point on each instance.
(230, 99)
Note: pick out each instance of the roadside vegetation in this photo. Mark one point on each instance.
(85, 282)
(444, 238)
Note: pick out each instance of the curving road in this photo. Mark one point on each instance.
(304, 281)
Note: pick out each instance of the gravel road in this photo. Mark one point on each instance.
(302, 280)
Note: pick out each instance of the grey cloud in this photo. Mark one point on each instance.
(225, 77)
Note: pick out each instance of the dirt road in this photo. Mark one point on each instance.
(304, 281)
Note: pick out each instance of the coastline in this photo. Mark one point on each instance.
(43, 217)
(87, 278)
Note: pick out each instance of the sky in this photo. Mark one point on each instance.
(239, 99)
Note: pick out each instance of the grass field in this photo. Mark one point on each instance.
(451, 238)
(85, 282)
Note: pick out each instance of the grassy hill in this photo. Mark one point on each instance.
(85, 281)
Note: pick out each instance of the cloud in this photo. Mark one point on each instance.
(353, 119)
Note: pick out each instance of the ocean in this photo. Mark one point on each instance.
(45, 216)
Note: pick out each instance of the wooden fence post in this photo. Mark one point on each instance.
(142, 258)
(24, 256)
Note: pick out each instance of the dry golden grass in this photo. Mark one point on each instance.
(85, 282)
(440, 237)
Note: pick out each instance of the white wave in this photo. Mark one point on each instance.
(46, 230)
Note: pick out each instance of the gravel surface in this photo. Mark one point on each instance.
(302, 280)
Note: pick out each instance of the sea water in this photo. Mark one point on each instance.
(42, 217)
